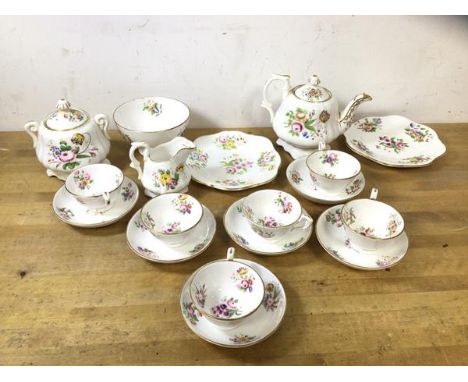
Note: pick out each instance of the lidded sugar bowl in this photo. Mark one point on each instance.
(68, 138)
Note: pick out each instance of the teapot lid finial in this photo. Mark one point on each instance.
(314, 80)
(63, 104)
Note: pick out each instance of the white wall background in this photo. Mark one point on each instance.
(415, 66)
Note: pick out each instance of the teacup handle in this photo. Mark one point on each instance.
(322, 145)
(373, 194)
(304, 221)
(230, 254)
(106, 197)
(134, 162)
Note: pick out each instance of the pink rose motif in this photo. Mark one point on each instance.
(297, 127)
(231, 303)
(223, 139)
(67, 156)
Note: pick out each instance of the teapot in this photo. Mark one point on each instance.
(308, 114)
(164, 168)
(68, 139)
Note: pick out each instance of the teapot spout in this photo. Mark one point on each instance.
(346, 116)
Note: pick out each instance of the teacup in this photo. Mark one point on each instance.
(97, 186)
(370, 224)
(273, 213)
(226, 291)
(332, 170)
(170, 216)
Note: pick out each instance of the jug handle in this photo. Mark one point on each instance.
(31, 128)
(103, 122)
(267, 104)
(134, 162)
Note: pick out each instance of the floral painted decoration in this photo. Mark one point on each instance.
(171, 228)
(227, 309)
(366, 231)
(361, 146)
(262, 232)
(244, 279)
(167, 178)
(82, 179)
(284, 203)
(272, 297)
(296, 176)
(149, 220)
(301, 123)
(65, 213)
(240, 239)
(236, 165)
(230, 182)
(354, 186)
(369, 125)
(127, 192)
(230, 141)
(68, 155)
(334, 217)
(198, 247)
(182, 204)
(200, 294)
(329, 175)
(331, 158)
(395, 144)
(392, 225)
(146, 252)
(418, 159)
(242, 339)
(191, 312)
(418, 133)
(197, 158)
(69, 115)
(292, 244)
(154, 108)
(348, 216)
(266, 160)
(386, 261)
(140, 225)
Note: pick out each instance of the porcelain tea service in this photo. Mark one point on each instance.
(69, 138)
(164, 167)
(154, 120)
(307, 114)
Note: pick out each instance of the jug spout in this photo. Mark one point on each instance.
(346, 116)
(180, 148)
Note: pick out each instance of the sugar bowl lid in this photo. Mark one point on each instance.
(65, 117)
(312, 92)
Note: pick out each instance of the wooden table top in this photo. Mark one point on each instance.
(81, 296)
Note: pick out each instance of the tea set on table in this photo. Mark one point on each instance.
(235, 302)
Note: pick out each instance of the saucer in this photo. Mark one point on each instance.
(251, 330)
(144, 244)
(332, 237)
(232, 161)
(240, 231)
(70, 211)
(299, 178)
(394, 141)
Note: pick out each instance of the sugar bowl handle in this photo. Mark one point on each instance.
(31, 128)
(230, 254)
(373, 194)
(103, 123)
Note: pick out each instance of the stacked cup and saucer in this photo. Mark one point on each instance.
(233, 302)
(95, 195)
(363, 233)
(268, 222)
(171, 228)
(326, 176)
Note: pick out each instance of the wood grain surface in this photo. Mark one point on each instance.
(74, 296)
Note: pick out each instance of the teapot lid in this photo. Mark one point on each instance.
(312, 92)
(65, 117)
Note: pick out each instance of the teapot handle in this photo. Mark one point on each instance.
(267, 104)
(31, 128)
(134, 162)
(103, 123)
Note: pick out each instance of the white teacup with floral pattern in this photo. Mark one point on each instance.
(226, 291)
(274, 213)
(97, 186)
(370, 224)
(170, 216)
(332, 170)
